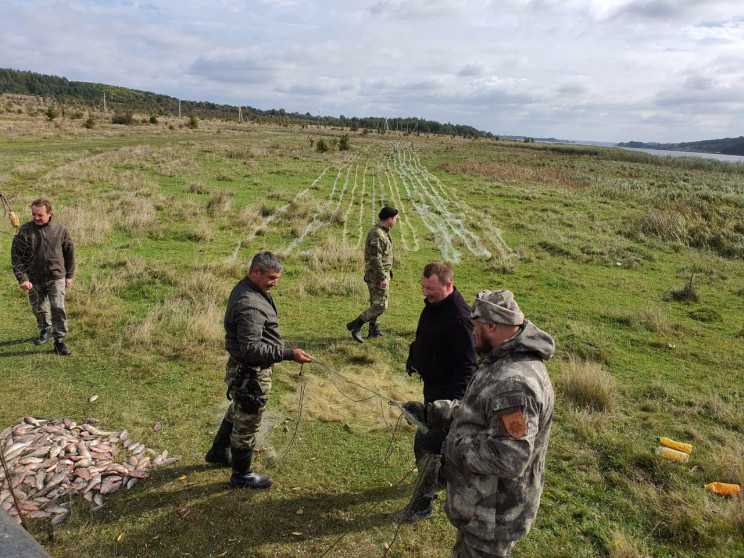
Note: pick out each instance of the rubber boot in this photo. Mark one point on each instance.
(219, 453)
(374, 331)
(355, 328)
(242, 476)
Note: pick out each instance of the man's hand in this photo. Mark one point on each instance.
(433, 441)
(384, 284)
(68, 282)
(298, 355)
(417, 409)
(26, 285)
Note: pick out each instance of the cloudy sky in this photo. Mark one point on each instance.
(603, 70)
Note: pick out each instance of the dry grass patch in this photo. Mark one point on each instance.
(249, 215)
(332, 398)
(514, 172)
(623, 546)
(90, 225)
(219, 203)
(586, 385)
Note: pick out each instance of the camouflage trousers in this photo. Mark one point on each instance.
(246, 409)
(428, 467)
(468, 547)
(46, 296)
(378, 303)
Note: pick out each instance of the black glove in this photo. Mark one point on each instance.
(417, 409)
(433, 440)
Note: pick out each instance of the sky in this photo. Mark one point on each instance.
(600, 70)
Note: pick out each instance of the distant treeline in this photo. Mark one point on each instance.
(131, 100)
(725, 146)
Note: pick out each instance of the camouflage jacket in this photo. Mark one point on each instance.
(378, 255)
(43, 252)
(251, 328)
(494, 454)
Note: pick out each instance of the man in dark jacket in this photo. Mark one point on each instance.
(44, 262)
(443, 355)
(254, 345)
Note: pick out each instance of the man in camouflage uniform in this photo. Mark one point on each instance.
(253, 341)
(378, 271)
(44, 262)
(494, 453)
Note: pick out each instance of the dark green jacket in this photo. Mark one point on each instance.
(251, 328)
(43, 253)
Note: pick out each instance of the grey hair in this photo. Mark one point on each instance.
(266, 261)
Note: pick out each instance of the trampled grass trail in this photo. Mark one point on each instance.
(392, 174)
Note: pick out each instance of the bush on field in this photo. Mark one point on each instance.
(321, 146)
(126, 118)
(586, 385)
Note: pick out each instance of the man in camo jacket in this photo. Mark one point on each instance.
(378, 271)
(494, 452)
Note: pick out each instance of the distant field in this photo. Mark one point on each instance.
(634, 264)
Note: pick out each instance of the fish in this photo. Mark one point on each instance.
(54, 459)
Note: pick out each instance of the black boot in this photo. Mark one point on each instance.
(355, 328)
(242, 476)
(219, 453)
(419, 509)
(44, 336)
(374, 331)
(61, 349)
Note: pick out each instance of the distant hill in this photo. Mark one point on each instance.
(122, 99)
(725, 146)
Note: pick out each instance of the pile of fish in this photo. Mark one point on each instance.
(49, 460)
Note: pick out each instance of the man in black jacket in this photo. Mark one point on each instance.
(443, 355)
(44, 262)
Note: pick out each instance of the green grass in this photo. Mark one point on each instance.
(164, 222)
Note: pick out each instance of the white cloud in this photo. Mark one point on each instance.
(653, 70)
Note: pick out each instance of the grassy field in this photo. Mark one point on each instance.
(634, 264)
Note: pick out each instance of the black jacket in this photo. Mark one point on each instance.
(443, 352)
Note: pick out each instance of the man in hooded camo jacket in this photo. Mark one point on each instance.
(494, 452)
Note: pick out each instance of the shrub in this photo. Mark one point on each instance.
(321, 146)
(89, 123)
(51, 113)
(193, 122)
(126, 118)
(343, 143)
(153, 119)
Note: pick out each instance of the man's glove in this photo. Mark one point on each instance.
(433, 441)
(417, 409)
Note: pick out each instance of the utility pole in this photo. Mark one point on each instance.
(240, 114)
(104, 101)
(179, 108)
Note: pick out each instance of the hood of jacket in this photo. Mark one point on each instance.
(530, 339)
